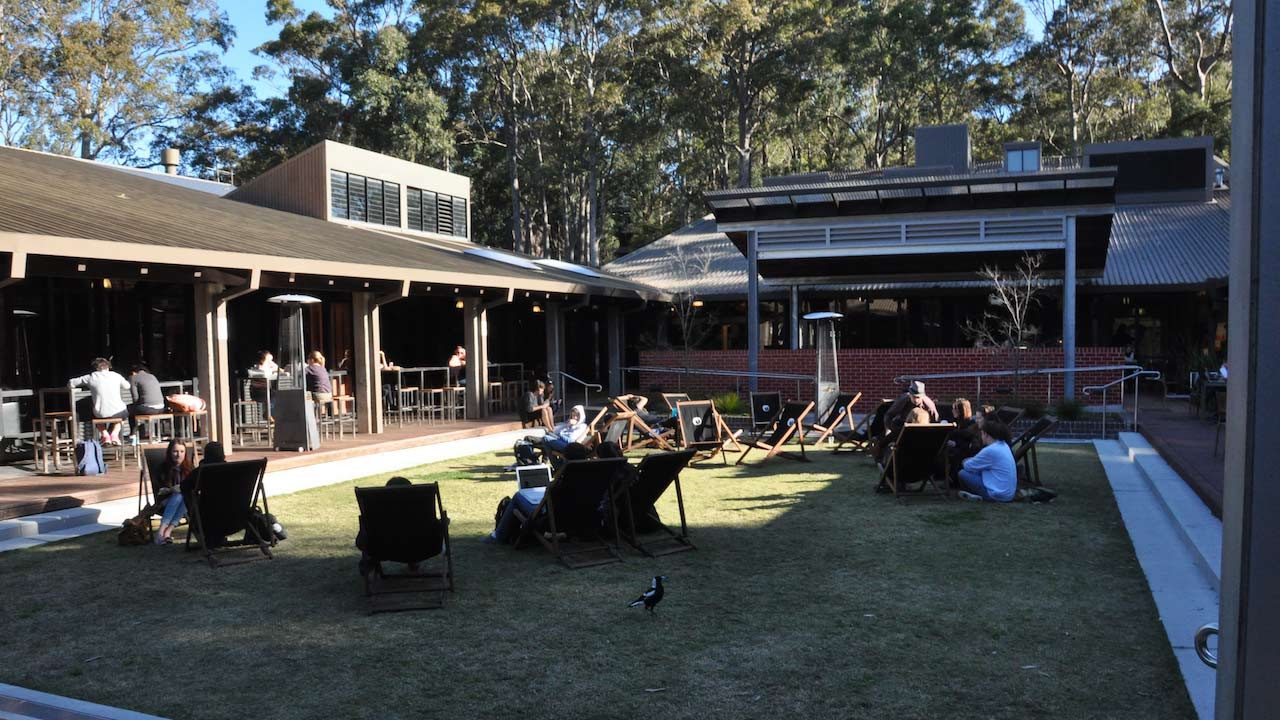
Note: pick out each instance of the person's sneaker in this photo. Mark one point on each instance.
(966, 495)
(490, 539)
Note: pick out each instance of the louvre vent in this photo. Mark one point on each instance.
(1052, 228)
(865, 235)
(792, 237)
(966, 231)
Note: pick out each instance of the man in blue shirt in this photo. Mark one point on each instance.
(992, 474)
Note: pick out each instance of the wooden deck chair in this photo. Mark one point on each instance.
(868, 428)
(1024, 448)
(840, 411)
(914, 457)
(404, 524)
(222, 498)
(571, 505)
(702, 429)
(639, 433)
(149, 486)
(790, 423)
(1009, 415)
(654, 475)
(674, 399)
(765, 408)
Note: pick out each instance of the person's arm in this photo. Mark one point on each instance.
(125, 387)
(984, 460)
(80, 382)
(933, 409)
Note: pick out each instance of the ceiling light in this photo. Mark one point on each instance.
(698, 303)
(330, 282)
(199, 274)
(143, 271)
(537, 308)
(290, 277)
(366, 284)
(458, 304)
(80, 268)
(106, 283)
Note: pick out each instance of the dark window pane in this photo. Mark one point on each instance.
(413, 204)
(429, 212)
(391, 204)
(460, 217)
(444, 215)
(338, 193)
(374, 193)
(357, 197)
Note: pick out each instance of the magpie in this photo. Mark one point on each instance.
(652, 596)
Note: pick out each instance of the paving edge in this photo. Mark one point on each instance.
(23, 703)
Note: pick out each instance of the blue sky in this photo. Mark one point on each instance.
(249, 18)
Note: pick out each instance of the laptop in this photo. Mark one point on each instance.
(528, 476)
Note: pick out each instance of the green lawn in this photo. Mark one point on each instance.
(809, 596)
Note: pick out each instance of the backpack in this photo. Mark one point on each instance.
(135, 531)
(525, 453)
(267, 527)
(89, 458)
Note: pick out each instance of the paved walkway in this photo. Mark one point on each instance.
(1186, 443)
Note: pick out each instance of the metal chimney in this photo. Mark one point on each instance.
(170, 158)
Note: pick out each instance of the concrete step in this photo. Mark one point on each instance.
(1200, 530)
(43, 523)
(18, 703)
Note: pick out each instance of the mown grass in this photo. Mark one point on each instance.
(809, 596)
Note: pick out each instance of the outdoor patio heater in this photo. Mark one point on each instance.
(295, 415)
(827, 379)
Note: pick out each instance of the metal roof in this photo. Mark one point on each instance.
(1153, 246)
(45, 195)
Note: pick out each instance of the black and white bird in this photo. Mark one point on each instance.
(652, 596)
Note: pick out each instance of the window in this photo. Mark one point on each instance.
(436, 212)
(355, 197)
(1022, 159)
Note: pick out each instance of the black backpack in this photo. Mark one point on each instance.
(525, 453)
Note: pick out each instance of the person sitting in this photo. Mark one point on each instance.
(527, 500)
(896, 416)
(367, 562)
(318, 380)
(390, 392)
(174, 472)
(573, 430)
(148, 399)
(1223, 370)
(457, 366)
(106, 388)
(536, 407)
(992, 474)
(261, 375)
(346, 363)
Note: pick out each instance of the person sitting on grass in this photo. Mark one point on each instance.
(527, 500)
(992, 474)
(174, 472)
(573, 430)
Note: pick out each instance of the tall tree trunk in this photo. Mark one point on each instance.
(513, 172)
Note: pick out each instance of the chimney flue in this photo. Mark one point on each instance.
(170, 158)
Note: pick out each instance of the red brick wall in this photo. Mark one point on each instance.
(871, 372)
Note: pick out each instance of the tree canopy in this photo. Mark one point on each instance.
(590, 127)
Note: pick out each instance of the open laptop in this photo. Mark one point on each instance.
(528, 476)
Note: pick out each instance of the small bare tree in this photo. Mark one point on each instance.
(692, 263)
(1007, 322)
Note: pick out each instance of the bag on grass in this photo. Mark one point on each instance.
(267, 527)
(89, 458)
(526, 454)
(135, 531)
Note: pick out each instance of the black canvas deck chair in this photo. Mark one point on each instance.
(702, 429)
(654, 475)
(1009, 415)
(148, 484)
(870, 427)
(572, 505)
(790, 424)
(1024, 449)
(916, 452)
(840, 411)
(223, 497)
(404, 524)
(765, 408)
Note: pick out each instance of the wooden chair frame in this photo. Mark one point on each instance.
(863, 426)
(674, 399)
(789, 423)
(707, 449)
(909, 451)
(1024, 448)
(838, 413)
(636, 426)
(604, 472)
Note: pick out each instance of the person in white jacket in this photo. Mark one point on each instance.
(108, 390)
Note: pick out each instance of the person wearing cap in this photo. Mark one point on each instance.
(913, 398)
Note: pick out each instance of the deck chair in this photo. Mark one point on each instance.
(222, 499)
(404, 524)
(914, 458)
(654, 475)
(840, 411)
(639, 433)
(674, 399)
(1024, 448)
(702, 429)
(571, 505)
(790, 423)
(870, 427)
(1009, 415)
(764, 410)
(149, 486)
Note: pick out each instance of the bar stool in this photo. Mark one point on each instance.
(455, 399)
(104, 425)
(53, 440)
(433, 403)
(190, 427)
(410, 403)
(496, 398)
(513, 392)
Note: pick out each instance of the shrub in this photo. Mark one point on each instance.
(729, 404)
(1069, 410)
(1033, 409)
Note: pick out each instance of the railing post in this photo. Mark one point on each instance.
(1048, 394)
(1104, 413)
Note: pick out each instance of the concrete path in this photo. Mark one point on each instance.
(76, 522)
(1179, 546)
(18, 703)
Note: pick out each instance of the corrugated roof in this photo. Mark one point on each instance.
(1159, 245)
(45, 194)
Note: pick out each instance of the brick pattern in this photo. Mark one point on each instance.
(871, 372)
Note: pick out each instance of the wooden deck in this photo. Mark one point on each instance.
(1186, 443)
(24, 492)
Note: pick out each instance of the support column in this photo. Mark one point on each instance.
(212, 363)
(366, 378)
(795, 317)
(1069, 313)
(475, 319)
(753, 311)
(615, 340)
(555, 341)
(1248, 653)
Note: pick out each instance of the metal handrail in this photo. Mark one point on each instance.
(586, 388)
(738, 375)
(1006, 373)
(1135, 377)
